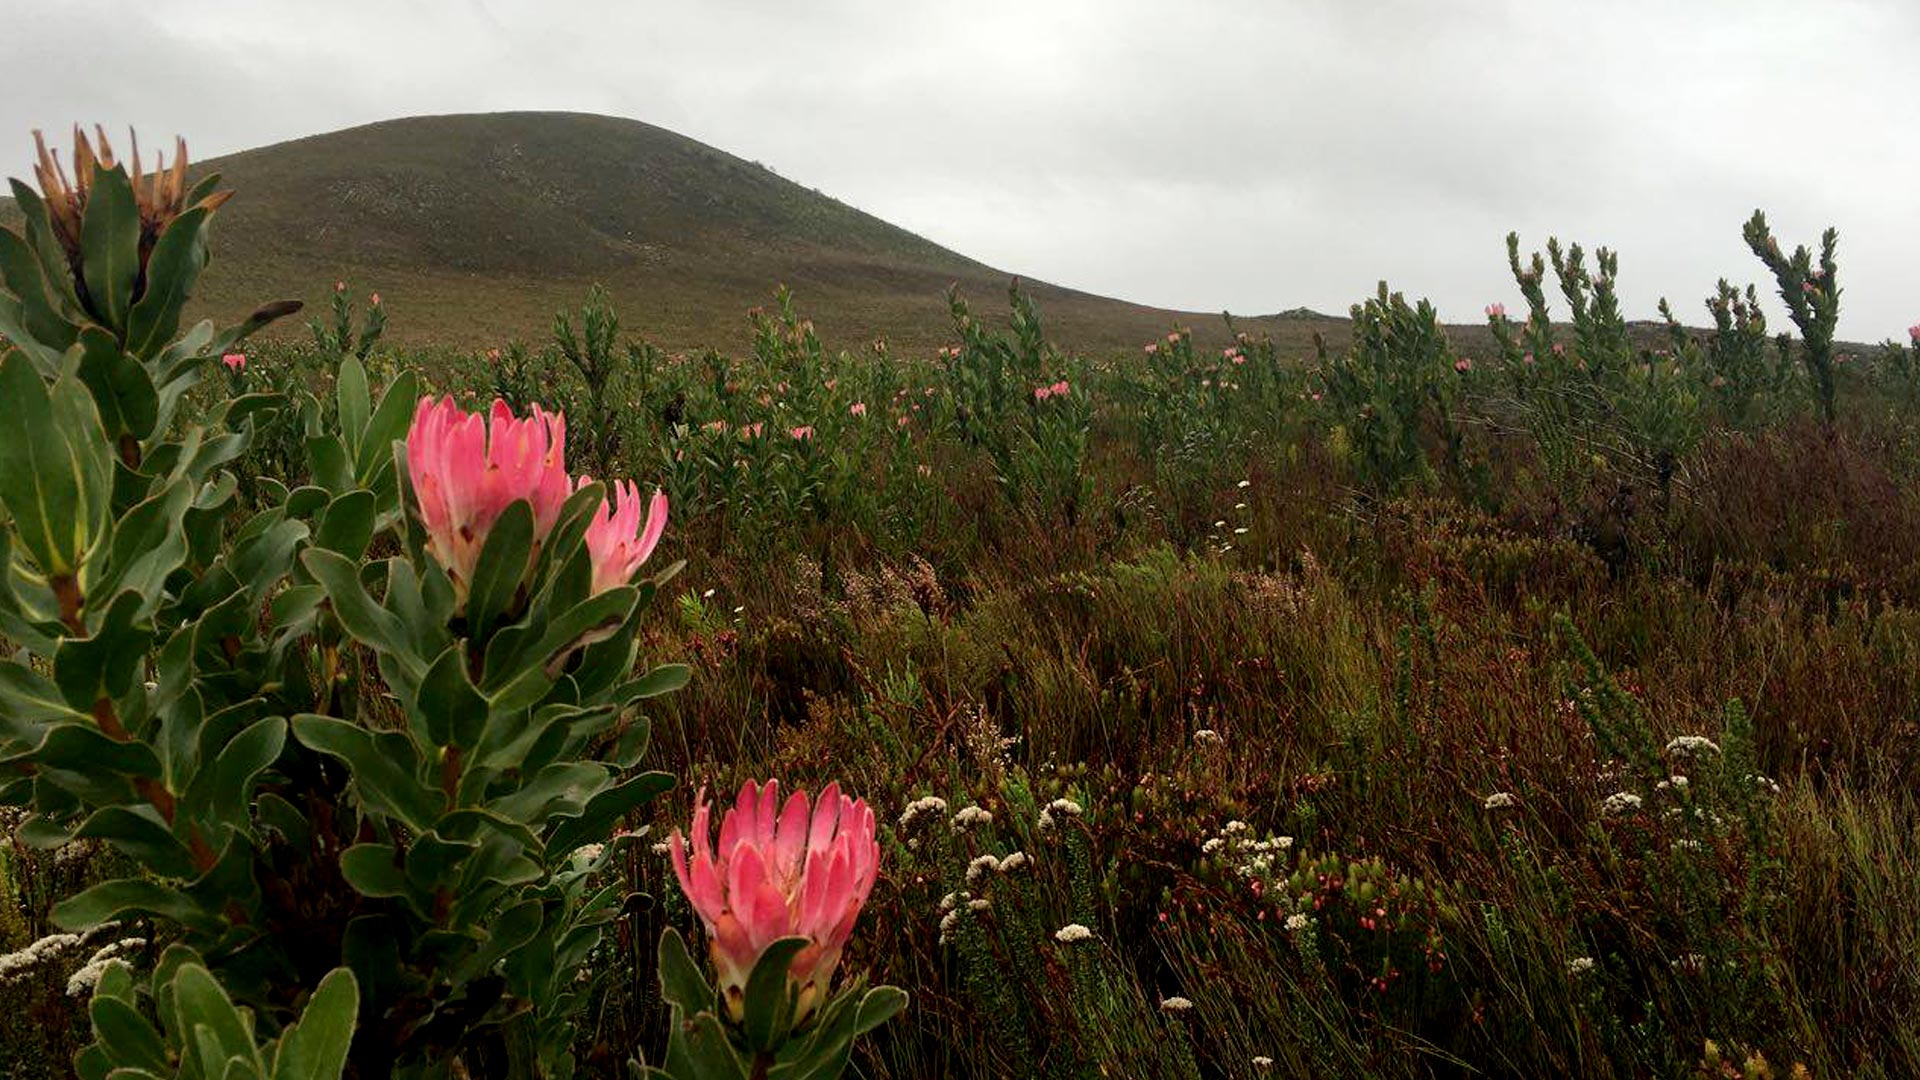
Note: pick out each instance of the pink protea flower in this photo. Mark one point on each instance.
(858, 408)
(467, 469)
(618, 539)
(235, 361)
(799, 870)
(1496, 311)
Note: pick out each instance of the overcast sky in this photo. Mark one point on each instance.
(1200, 154)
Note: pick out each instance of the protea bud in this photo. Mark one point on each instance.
(466, 470)
(619, 540)
(795, 871)
(159, 197)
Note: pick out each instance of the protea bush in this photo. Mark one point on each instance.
(363, 747)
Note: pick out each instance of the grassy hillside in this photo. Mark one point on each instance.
(475, 228)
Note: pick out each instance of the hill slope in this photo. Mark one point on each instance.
(476, 228)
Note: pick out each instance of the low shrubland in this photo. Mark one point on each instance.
(1547, 709)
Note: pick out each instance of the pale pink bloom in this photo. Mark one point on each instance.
(619, 540)
(751, 431)
(376, 299)
(1527, 359)
(1719, 381)
(1496, 311)
(1153, 347)
(1914, 333)
(858, 408)
(797, 870)
(831, 383)
(467, 469)
(1060, 389)
(926, 470)
(235, 361)
(1042, 393)
(1463, 365)
(339, 286)
(904, 420)
(1316, 395)
(802, 432)
(714, 425)
(1173, 339)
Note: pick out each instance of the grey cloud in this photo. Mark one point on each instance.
(1252, 154)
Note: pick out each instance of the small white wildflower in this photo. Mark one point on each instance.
(1046, 821)
(1239, 506)
(1071, 933)
(1233, 827)
(1688, 845)
(1066, 807)
(1298, 921)
(1692, 746)
(1016, 861)
(1220, 524)
(81, 983)
(590, 852)
(1175, 1005)
(663, 849)
(948, 901)
(1212, 846)
(1580, 965)
(931, 804)
(1619, 803)
(947, 922)
(1207, 737)
(14, 964)
(970, 816)
(979, 904)
(1263, 1062)
(1240, 531)
(1680, 783)
(983, 864)
(1244, 484)
(1499, 800)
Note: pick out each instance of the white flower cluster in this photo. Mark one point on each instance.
(1016, 861)
(1250, 857)
(931, 804)
(1263, 1062)
(13, 965)
(590, 852)
(1693, 746)
(1298, 921)
(1620, 803)
(970, 816)
(1676, 783)
(1207, 737)
(1071, 933)
(1580, 965)
(1175, 1005)
(1499, 800)
(1765, 784)
(981, 866)
(1057, 809)
(80, 984)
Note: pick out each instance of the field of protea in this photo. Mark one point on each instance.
(573, 708)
